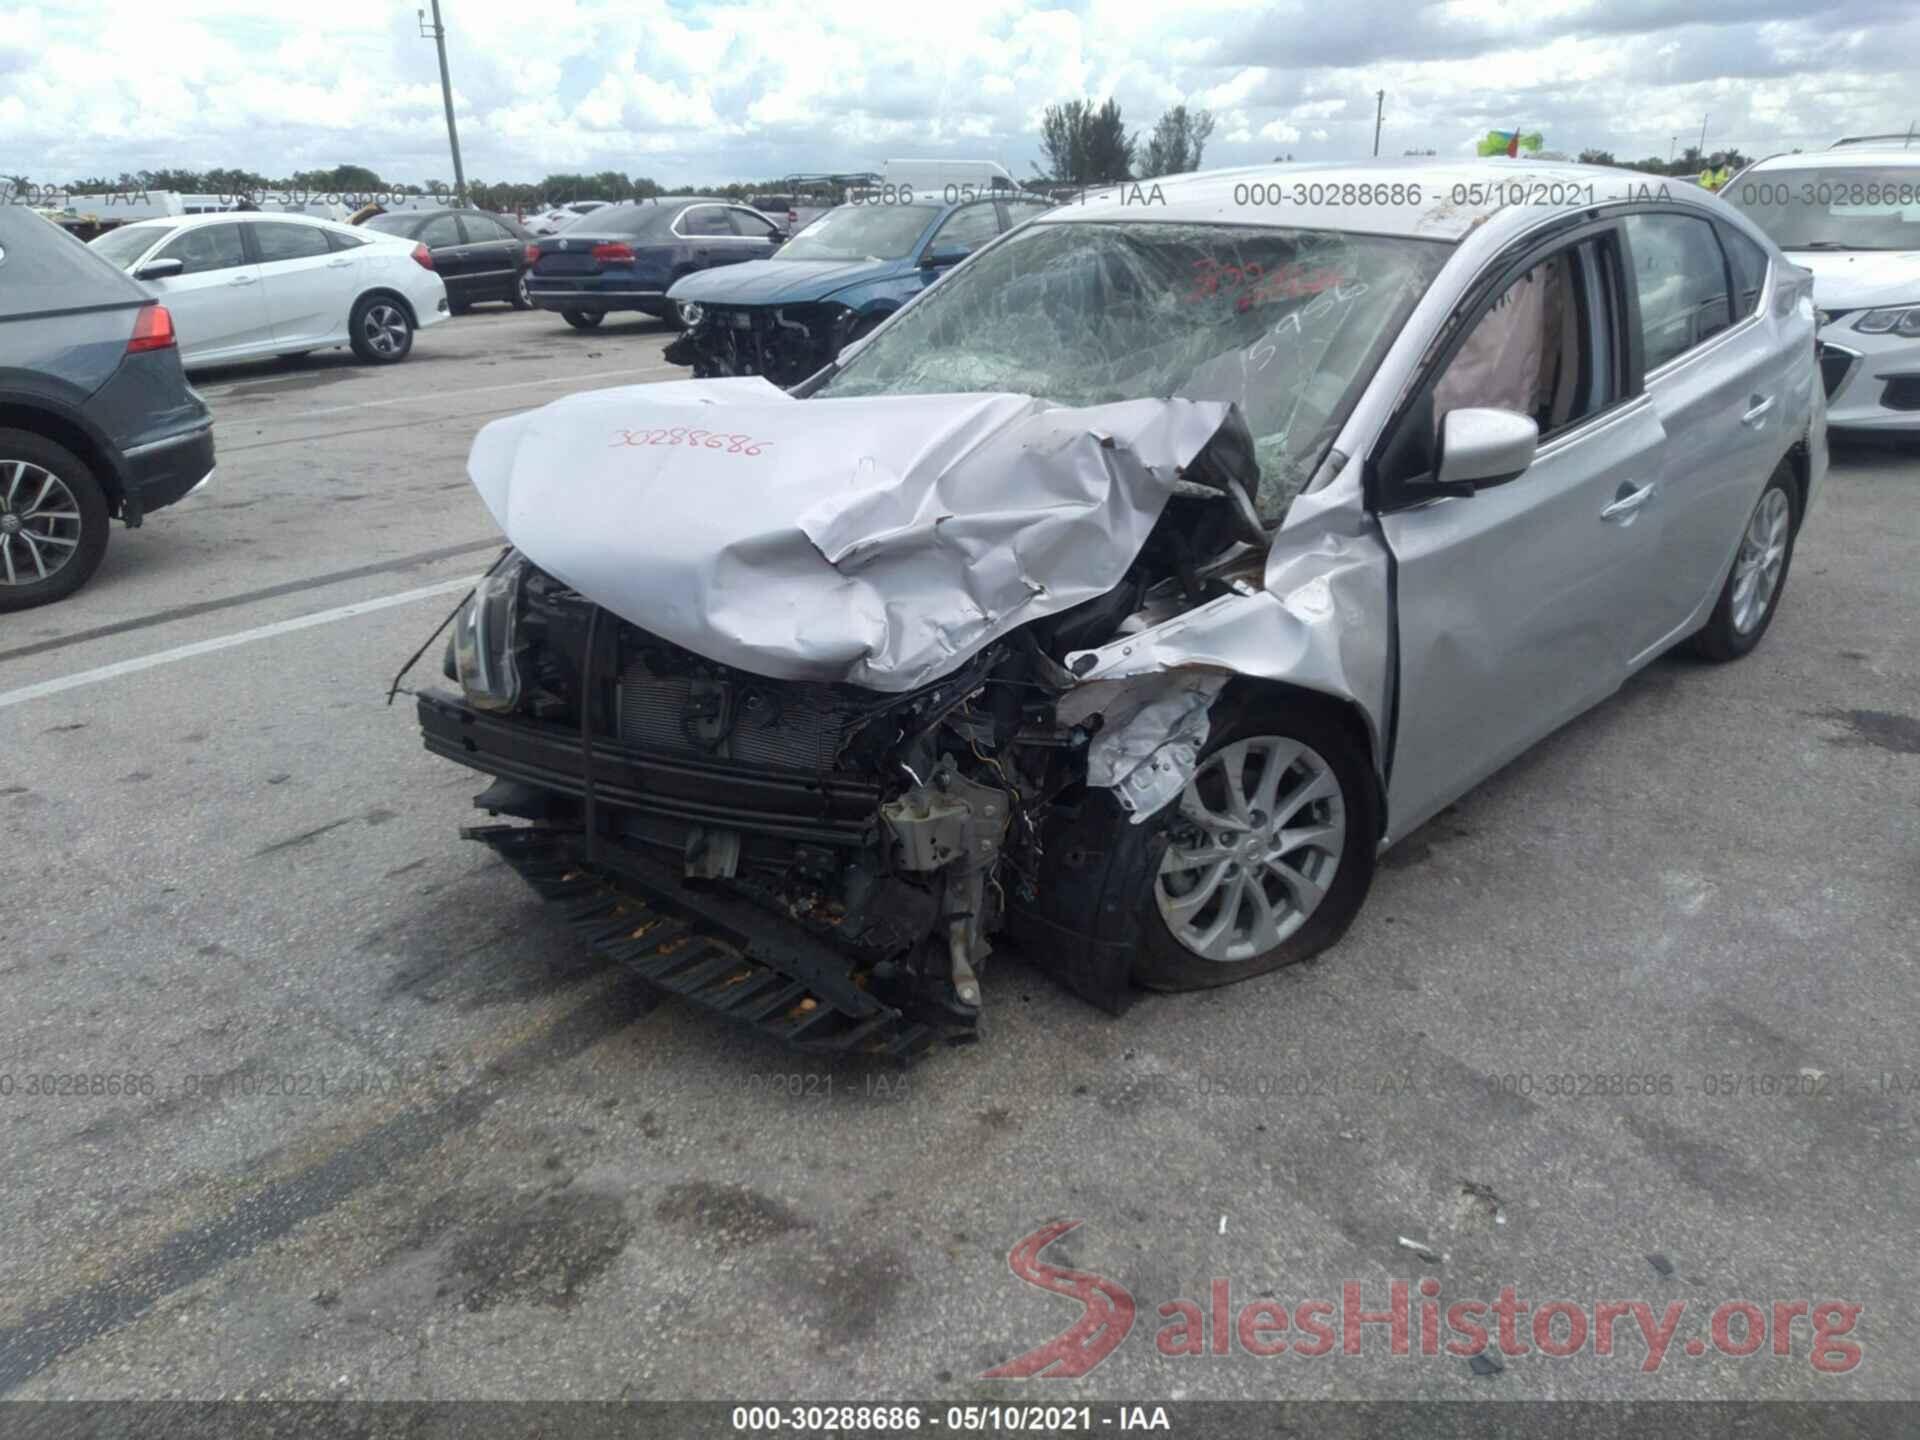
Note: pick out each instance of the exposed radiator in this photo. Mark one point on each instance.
(787, 725)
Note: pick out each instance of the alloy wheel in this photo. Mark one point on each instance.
(1762, 557)
(1253, 848)
(39, 523)
(385, 328)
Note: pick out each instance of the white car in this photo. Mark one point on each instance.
(245, 285)
(563, 215)
(1851, 215)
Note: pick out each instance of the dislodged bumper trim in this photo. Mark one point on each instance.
(828, 809)
(718, 953)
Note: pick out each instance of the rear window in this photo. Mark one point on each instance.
(44, 268)
(626, 220)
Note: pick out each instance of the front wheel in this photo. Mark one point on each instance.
(53, 521)
(1266, 856)
(583, 319)
(381, 329)
(1759, 574)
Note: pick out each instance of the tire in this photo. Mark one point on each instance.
(382, 330)
(1323, 758)
(671, 316)
(519, 298)
(584, 319)
(28, 507)
(1747, 601)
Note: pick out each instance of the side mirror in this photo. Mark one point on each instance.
(1482, 447)
(160, 269)
(941, 259)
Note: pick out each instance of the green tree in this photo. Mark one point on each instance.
(1085, 145)
(1178, 140)
(1597, 157)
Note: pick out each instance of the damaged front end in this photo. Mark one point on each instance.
(831, 861)
(782, 343)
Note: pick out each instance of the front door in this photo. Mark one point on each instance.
(218, 304)
(1518, 606)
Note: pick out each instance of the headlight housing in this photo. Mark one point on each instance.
(1902, 320)
(693, 312)
(486, 638)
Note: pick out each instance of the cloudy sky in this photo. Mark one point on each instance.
(715, 90)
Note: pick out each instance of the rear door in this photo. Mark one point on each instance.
(1519, 606)
(310, 286)
(493, 252)
(217, 301)
(1716, 362)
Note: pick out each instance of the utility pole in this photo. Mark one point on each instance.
(1673, 149)
(438, 32)
(1379, 110)
(1703, 137)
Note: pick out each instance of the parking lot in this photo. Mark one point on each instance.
(1634, 1021)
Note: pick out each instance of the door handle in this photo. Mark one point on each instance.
(1760, 405)
(241, 280)
(1628, 503)
(339, 264)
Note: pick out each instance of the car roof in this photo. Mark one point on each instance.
(1852, 157)
(1449, 205)
(227, 217)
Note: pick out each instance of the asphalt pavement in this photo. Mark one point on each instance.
(302, 1095)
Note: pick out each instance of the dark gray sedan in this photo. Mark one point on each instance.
(626, 257)
(96, 417)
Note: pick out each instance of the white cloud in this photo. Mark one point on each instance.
(754, 88)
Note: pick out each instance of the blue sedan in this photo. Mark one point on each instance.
(626, 257)
(833, 283)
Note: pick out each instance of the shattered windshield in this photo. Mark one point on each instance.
(1858, 208)
(1288, 324)
(860, 232)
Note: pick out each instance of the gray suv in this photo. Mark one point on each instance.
(96, 417)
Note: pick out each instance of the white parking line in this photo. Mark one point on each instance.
(433, 397)
(226, 642)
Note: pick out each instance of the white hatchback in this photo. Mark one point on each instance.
(245, 285)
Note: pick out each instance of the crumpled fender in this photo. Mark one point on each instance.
(1322, 621)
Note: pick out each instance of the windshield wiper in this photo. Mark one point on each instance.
(1830, 245)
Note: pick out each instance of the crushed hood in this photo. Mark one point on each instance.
(879, 541)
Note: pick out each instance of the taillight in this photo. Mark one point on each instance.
(793, 218)
(152, 330)
(613, 250)
(423, 257)
(533, 254)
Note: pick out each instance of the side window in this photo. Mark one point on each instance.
(206, 247)
(753, 226)
(288, 242)
(440, 231)
(1020, 211)
(967, 229)
(1681, 279)
(482, 231)
(1538, 350)
(1749, 263)
(338, 240)
(706, 220)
